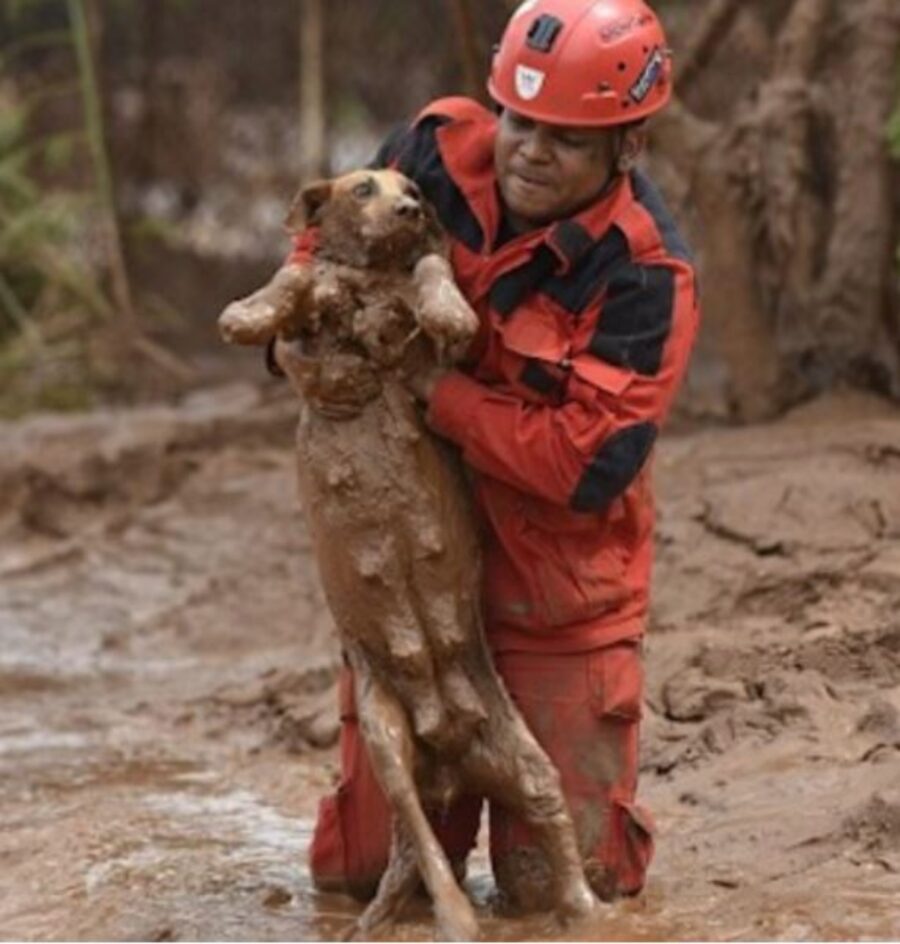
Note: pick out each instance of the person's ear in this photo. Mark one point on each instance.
(632, 146)
(307, 205)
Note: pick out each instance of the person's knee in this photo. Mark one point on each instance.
(628, 850)
(351, 842)
(524, 881)
(340, 861)
(616, 844)
(360, 887)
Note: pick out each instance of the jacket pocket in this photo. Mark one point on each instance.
(539, 334)
(602, 375)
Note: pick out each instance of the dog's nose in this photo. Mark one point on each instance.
(408, 207)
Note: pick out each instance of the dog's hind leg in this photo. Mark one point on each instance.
(412, 671)
(366, 584)
(389, 739)
(397, 886)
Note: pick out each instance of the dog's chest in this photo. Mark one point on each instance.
(362, 311)
(363, 332)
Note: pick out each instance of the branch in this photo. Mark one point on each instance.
(800, 39)
(313, 155)
(92, 104)
(470, 52)
(701, 46)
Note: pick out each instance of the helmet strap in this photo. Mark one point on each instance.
(615, 172)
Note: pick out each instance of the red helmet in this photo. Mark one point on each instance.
(583, 62)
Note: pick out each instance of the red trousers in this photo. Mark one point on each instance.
(584, 708)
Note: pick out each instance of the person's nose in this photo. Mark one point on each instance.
(535, 147)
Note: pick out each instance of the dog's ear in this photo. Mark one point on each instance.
(307, 205)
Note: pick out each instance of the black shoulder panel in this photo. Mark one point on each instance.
(575, 290)
(651, 200)
(387, 152)
(614, 467)
(512, 288)
(418, 156)
(636, 317)
(536, 376)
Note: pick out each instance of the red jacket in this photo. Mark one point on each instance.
(586, 328)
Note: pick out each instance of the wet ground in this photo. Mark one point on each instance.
(167, 719)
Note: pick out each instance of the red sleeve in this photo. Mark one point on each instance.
(586, 451)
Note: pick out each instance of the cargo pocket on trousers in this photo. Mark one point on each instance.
(337, 860)
(632, 830)
(328, 850)
(617, 681)
(327, 855)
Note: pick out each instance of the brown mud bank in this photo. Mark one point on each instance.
(167, 715)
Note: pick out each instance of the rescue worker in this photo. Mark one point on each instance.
(588, 303)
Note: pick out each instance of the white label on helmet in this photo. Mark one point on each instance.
(648, 77)
(524, 8)
(529, 82)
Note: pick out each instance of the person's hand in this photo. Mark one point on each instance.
(421, 384)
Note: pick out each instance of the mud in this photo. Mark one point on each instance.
(167, 663)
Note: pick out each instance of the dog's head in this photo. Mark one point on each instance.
(374, 218)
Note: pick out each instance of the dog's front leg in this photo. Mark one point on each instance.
(286, 300)
(441, 310)
(389, 738)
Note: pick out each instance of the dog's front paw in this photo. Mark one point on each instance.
(281, 303)
(244, 322)
(443, 313)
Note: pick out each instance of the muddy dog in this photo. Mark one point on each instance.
(394, 535)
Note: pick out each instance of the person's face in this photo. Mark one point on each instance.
(548, 172)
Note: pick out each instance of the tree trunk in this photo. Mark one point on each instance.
(858, 317)
(469, 46)
(792, 192)
(707, 37)
(313, 157)
(87, 29)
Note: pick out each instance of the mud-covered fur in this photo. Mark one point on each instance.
(394, 535)
(372, 222)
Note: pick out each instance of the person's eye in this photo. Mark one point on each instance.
(364, 189)
(575, 144)
(518, 122)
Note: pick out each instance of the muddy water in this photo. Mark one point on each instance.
(166, 671)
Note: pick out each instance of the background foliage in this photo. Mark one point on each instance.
(130, 212)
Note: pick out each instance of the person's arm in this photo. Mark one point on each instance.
(585, 452)
(304, 247)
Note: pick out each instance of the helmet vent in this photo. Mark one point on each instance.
(544, 32)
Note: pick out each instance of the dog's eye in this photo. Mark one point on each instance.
(413, 191)
(364, 189)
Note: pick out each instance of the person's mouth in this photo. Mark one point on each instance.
(531, 181)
